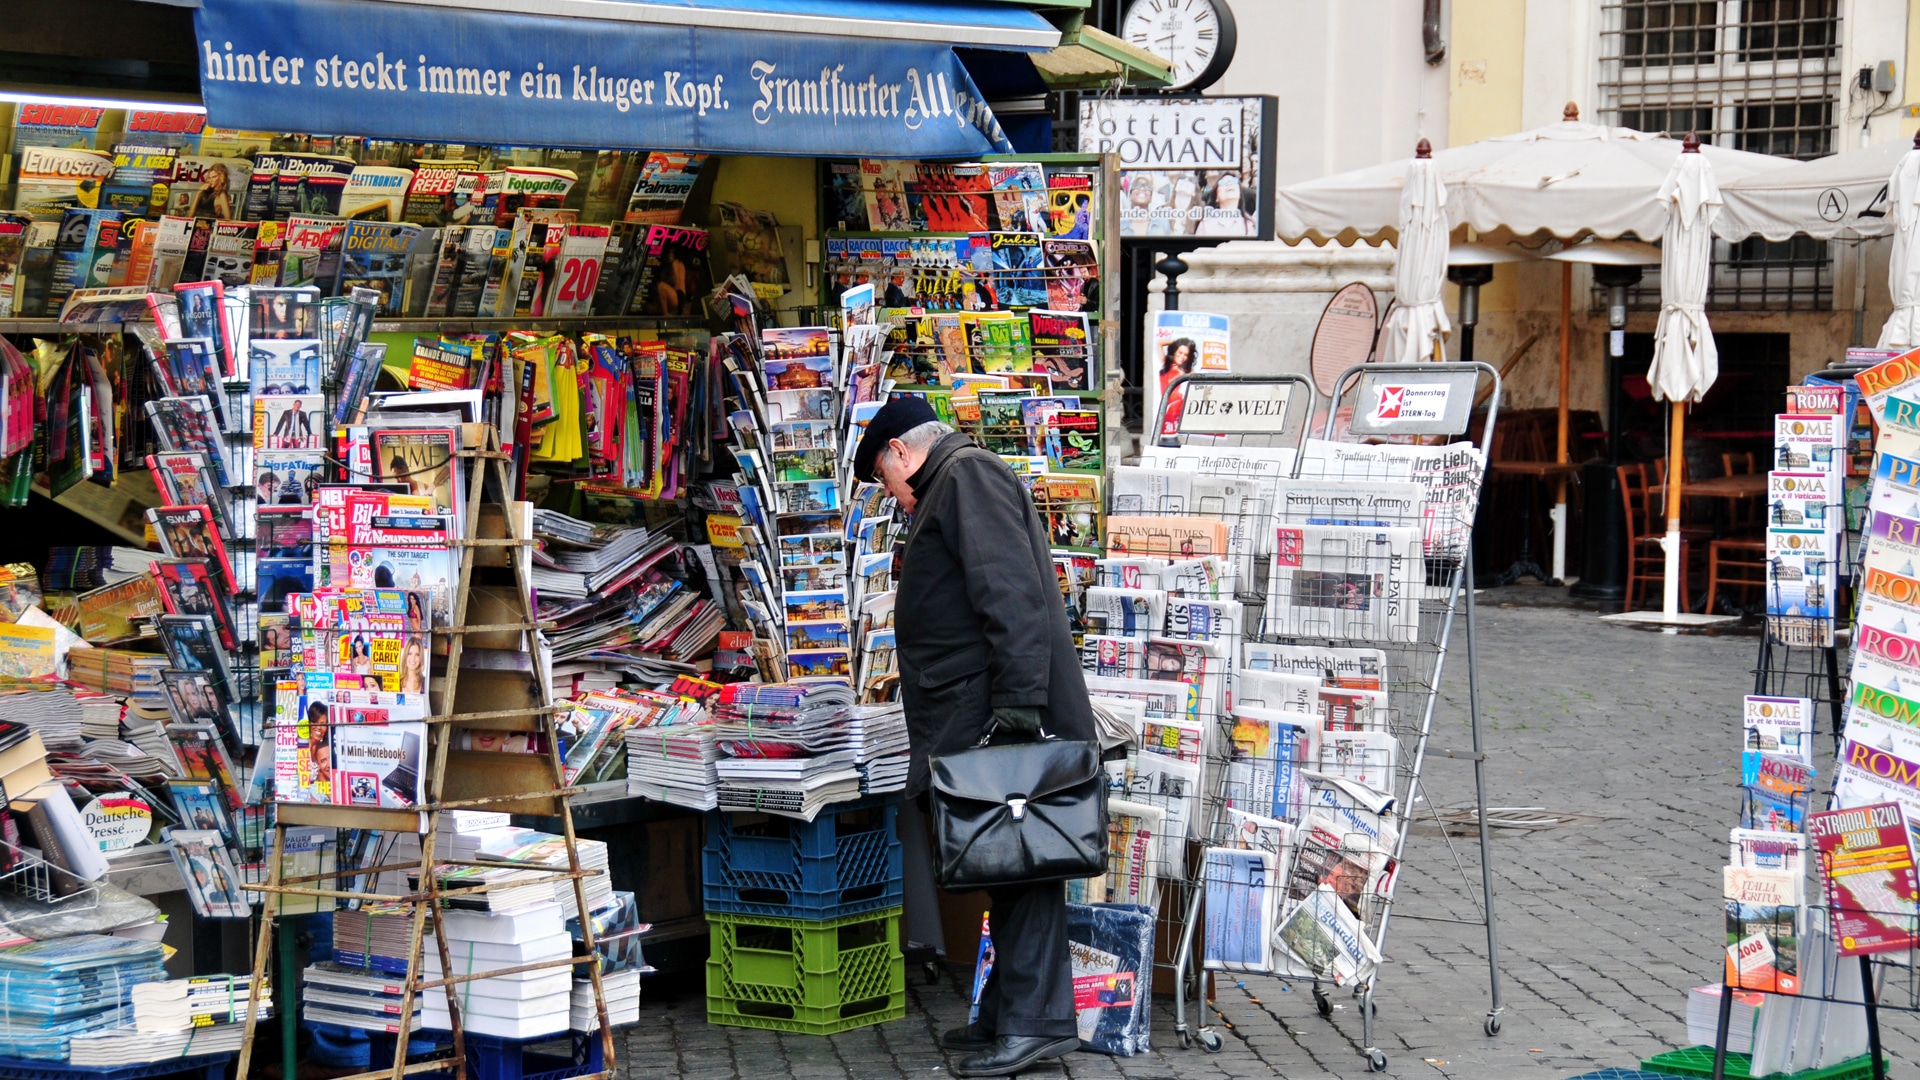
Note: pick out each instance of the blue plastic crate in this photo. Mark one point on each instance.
(844, 862)
(491, 1058)
(201, 1067)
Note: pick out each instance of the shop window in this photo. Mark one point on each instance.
(1755, 75)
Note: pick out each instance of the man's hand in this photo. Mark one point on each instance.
(1019, 721)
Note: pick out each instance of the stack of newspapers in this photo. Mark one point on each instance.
(880, 747)
(787, 748)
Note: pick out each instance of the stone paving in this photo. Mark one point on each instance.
(1604, 923)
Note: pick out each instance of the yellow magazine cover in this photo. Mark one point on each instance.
(26, 652)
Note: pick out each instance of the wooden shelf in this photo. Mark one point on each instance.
(577, 322)
(120, 509)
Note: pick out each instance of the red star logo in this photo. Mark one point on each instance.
(1391, 398)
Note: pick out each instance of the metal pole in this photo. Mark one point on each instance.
(1676, 469)
(1171, 267)
(283, 1000)
(1486, 839)
(1560, 442)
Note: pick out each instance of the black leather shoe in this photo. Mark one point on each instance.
(973, 1037)
(1015, 1053)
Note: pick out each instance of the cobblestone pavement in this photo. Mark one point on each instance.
(1604, 923)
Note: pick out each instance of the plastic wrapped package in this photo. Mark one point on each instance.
(1112, 948)
(116, 909)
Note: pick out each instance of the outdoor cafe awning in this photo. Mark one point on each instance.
(856, 78)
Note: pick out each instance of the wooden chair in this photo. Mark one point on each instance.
(1742, 514)
(1735, 564)
(1646, 526)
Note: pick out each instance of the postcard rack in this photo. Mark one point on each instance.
(1415, 644)
(497, 537)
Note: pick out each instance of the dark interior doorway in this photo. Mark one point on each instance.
(1735, 416)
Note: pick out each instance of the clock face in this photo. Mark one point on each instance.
(1187, 33)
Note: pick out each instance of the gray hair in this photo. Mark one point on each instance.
(925, 435)
(917, 438)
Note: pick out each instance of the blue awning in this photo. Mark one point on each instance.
(853, 78)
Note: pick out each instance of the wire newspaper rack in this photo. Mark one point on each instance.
(1336, 640)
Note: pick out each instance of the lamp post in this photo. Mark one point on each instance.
(1616, 255)
(1469, 277)
(1606, 532)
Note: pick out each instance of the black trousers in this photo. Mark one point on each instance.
(1031, 989)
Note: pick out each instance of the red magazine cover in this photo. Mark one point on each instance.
(1866, 869)
(187, 587)
(193, 532)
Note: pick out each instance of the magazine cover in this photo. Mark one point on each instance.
(1763, 929)
(422, 460)
(412, 552)
(287, 477)
(213, 885)
(673, 278)
(379, 759)
(294, 422)
(1866, 868)
(1073, 275)
(286, 368)
(374, 256)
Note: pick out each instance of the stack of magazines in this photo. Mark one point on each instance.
(119, 1046)
(372, 936)
(51, 709)
(354, 997)
(55, 989)
(675, 763)
(523, 847)
(787, 748)
(880, 747)
(602, 563)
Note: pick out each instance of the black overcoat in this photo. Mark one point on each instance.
(979, 621)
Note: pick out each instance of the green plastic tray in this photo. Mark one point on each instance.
(1698, 1061)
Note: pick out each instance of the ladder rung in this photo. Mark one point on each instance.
(490, 800)
(437, 1065)
(485, 628)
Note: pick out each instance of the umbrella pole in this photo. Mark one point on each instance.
(1676, 466)
(1560, 456)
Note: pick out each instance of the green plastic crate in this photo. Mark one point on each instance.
(1698, 1061)
(811, 978)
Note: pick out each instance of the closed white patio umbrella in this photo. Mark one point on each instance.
(1419, 322)
(1685, 362)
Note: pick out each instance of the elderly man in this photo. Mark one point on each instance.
(984, 647)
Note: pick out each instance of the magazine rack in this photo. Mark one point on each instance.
(497, 535)
(1803, 657)
(1415, 648)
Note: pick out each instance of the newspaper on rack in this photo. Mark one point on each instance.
(1345, 583)
(1323, 940)
(1351, 669)
(1451, 475)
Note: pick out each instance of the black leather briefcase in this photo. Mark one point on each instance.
(1019, 813)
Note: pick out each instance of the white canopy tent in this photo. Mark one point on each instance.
(1855, 196)
(1567, 180)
